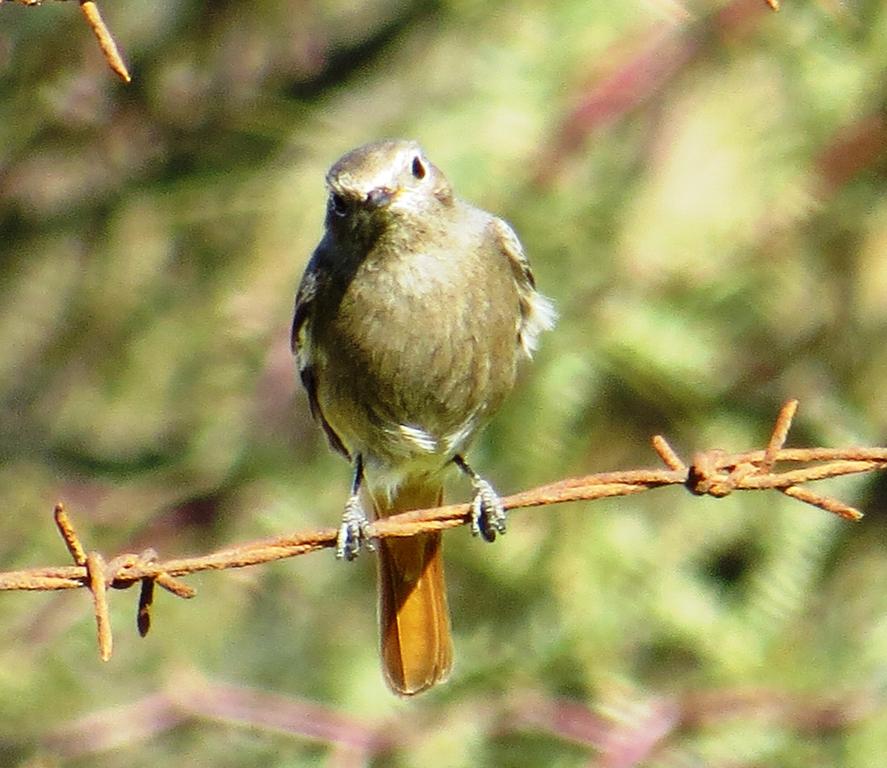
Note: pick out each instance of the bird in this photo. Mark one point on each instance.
(410, 320)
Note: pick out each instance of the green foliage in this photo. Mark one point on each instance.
(713, 250)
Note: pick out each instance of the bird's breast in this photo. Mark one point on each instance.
(420, 351)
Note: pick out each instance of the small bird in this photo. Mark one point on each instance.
(410, 321)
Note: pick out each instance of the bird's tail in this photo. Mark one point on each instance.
(416, 646)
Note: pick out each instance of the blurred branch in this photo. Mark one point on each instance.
(105, 39)
(637, 76)
(189, 697)
(623, 733)
(632, 731)
(855, 148)
(711, 473)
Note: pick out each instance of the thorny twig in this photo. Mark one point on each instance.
(712, 473)
(105, 39)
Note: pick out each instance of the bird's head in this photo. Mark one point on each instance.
(381, 183)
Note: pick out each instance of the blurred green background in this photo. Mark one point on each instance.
(701, 189)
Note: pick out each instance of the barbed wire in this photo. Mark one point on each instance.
(103, 35)
(108, 44)
(711, 473)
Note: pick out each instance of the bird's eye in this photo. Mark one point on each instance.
(418, 168)
(338, 204)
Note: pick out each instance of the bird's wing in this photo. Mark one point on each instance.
(537, 313)
(302, 346)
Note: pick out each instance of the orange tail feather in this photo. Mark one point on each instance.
(416, 645)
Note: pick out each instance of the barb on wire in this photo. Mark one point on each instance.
(105, 38)
(103, 35)
(712, 473)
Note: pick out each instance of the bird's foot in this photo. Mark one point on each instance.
(353, 531)
(487, 511)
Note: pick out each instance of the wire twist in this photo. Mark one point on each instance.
(713, 473)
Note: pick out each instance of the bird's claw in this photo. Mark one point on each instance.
(487, 511)
(353, 531)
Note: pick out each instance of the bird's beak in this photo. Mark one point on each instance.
(380, 197)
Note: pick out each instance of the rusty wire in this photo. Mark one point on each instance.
(108, 45)
(711, 473)
(103, 35)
